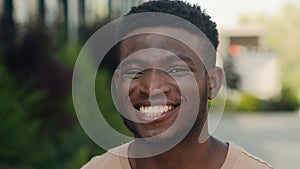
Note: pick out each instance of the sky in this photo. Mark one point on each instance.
(227, 12)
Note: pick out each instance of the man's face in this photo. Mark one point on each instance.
(156, 81)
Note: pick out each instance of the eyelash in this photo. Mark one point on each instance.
(132, 74)
(180, 71)
(178, 68)
(174, 71)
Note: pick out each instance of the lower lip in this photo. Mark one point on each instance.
(146, 119)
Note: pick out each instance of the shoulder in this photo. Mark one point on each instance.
(113, 159)
(105, 161)
(252, 161)
(238, 158)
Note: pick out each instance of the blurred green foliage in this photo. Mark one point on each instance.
(18, 127)
(38, 124)
(25, 143)
(286, 102)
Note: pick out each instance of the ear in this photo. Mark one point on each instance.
(214, 82)
(117, 77)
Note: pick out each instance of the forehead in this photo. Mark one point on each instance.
(158, 58)
(175, 40)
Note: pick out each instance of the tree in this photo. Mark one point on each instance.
(81, 4)
(7, 26)
(109, 9)
(41, 12)
(64, 13)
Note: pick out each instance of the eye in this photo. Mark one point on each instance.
(176, 70)
(132, 73)
(179, 71)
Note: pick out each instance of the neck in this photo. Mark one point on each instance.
(189, 153)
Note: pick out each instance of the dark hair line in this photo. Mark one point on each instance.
(192, 13)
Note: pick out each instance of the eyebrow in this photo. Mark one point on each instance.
(182, 57)
(169, 58)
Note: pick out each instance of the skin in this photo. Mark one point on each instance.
(171, 78)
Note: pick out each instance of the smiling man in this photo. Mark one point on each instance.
(166, 76)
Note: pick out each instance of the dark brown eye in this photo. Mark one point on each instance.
(132, 74)
(179, 71)
(176, 70)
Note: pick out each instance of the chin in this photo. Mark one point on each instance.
(158, 136)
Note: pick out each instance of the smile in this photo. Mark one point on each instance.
(156, 110)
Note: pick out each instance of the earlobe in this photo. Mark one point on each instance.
(214, 82)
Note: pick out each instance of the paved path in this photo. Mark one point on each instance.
(272, 137)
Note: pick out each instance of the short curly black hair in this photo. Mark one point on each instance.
(192, 13)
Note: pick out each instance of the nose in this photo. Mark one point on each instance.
(155, 82)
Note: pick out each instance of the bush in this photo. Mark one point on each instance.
(18, 127)
(287, 101)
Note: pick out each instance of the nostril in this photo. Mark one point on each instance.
(165, 89)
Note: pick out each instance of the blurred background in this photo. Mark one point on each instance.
(41, 39)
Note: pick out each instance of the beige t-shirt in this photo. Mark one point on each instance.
(236, 158)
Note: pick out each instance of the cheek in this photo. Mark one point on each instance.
(191, 83)
(193, 88)
(132, 87)
(123, 88)
(128, 88)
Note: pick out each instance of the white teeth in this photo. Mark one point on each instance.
(166, 108)
(155, 110)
